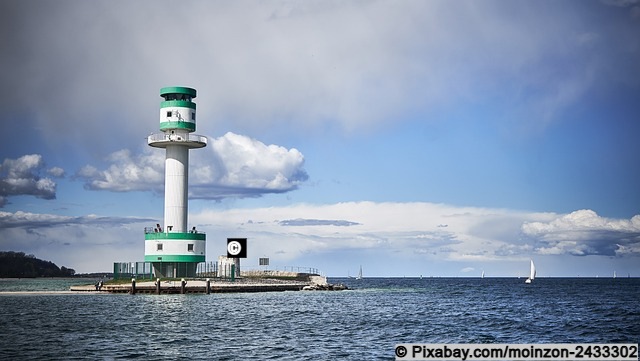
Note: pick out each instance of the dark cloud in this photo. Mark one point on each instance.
(31, 221)
(621, 3)
(96, 241)
(68, 61)
(317, 222)
(21, 176)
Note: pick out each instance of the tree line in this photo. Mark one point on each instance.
(19, 264)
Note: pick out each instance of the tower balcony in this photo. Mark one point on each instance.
(162, 140)
(156, 233)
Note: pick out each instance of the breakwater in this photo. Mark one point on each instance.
(195, 286)
(253, 284)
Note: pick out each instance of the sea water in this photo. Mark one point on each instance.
(363, 323)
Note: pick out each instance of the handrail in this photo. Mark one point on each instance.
(153, 230)
(180, 137)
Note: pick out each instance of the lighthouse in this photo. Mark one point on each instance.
(173, 248)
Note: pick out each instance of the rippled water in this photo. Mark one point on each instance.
(41, 284)
(360, 324)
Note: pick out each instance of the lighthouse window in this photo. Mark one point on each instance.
(159, 247)
(169, 114)
(190, 247)
(193, 116)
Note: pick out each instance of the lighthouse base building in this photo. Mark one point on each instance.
(174, 254)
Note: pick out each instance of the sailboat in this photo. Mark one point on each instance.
(482, 274)
(532, 273)
(359, 276)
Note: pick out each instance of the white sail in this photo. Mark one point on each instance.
(482, 274)
(532, 273)
(359, 277)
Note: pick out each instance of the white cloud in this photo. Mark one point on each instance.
(584, 232)
(231, 166)
(388, 236)
(56, 172)
(240, 166)
(127, 172)
(408, 229)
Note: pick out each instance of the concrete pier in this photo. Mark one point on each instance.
(253, 282)
(197, 286)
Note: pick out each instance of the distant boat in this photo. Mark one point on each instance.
(532, 273)
(614, 274)
(482, 274)
(359, 276)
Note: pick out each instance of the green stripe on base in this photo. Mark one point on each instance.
(174, 258)
(178, 125)
(175, 236)
(177, 104)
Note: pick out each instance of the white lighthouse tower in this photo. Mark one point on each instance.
(173, 248)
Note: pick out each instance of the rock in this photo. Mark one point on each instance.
(325, 287)
(318, 280)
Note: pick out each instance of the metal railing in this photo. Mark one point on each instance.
(296, 269)
(144, 270)
(137, 270)
(179, 137)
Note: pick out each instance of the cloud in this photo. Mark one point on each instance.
(302, 65)
(620, 3)
(86, 243)
(317, 222)
(127, 172)
(29, 220)
(412, 231)
(405, 229)
(583, 233)
(389, 236)
(21, 176)
(231, 166)
(239, 166)
(56, 172)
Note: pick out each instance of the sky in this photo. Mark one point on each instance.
(411, 138)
